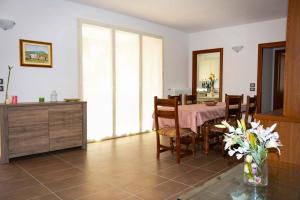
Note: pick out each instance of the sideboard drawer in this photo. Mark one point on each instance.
(21, 116)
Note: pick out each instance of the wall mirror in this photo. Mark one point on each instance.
(207, 74)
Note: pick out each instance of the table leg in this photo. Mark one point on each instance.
(205, 138)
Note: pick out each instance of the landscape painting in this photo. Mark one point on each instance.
(35, 53)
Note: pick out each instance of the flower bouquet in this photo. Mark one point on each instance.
(253, 145)
(212, 79)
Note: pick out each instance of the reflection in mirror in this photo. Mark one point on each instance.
(207, 74)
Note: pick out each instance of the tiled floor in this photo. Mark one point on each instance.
(124, 168)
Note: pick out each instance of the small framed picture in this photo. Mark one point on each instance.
(1, 81)
(252, 89)
(35, 53)
(1, 88)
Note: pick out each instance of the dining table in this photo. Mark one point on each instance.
(194, 116)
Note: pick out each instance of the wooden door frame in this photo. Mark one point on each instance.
(261, 48)
(194, 71)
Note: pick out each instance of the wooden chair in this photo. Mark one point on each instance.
(179, 97)
(232, 114)
(190, 99)
(168, 109)
(250, 109)
(233, 107)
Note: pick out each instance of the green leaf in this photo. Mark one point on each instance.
(256, 157)
(252, 141)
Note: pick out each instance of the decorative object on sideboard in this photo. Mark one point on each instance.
(41, 99)
(238, 48)
(14, 99)
(7, 100)
(53, 96)
(72, 100)
(35, 53)
(7, 24)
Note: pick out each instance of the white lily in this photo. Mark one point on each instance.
(254, 125)
(239, 156)
(259, 138)
(231, 152)
(271, 129)
(220, 126)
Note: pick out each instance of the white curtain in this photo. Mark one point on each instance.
(152, 78)
(121, 73)
(97, 81)
(127, 82)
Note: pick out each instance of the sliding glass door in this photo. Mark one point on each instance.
(121, 72)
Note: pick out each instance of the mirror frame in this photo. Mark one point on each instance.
(194, 70)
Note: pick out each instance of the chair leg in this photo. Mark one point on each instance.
(172, 145)
(157, 146)
(194, 144)
(178, 150)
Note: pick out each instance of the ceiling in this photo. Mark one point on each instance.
(196, 15)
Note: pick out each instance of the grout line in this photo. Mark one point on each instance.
(51, 192)
(68, 162)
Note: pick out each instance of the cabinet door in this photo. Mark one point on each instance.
(65, 126)
(27, 140)
(28, 130)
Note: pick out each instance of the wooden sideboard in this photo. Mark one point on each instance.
(31, 128)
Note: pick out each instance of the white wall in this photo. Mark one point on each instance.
(55, 21)
(239, 69)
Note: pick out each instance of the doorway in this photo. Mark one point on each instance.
(270, 77)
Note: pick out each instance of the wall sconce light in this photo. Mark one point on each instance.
(7, 24)
(237, 48)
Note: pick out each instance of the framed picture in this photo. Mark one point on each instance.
(35, 53)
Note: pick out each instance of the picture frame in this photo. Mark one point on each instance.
(35, 53)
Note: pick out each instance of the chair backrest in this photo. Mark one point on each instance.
(233, 107)
(179, 97)
(166, 108)
(250, 108)
(190, 99)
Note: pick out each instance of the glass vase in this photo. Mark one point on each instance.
(212, 91)
(255, 174)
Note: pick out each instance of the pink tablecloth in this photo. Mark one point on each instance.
(192, 116)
